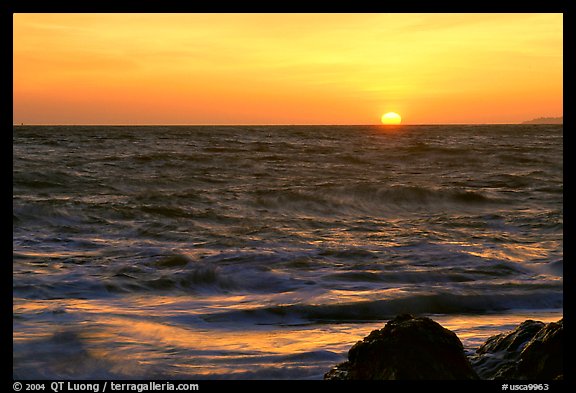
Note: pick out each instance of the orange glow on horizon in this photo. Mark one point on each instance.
(285, 68)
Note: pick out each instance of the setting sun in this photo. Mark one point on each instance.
(391, 118)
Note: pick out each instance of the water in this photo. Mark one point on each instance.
(266, 252)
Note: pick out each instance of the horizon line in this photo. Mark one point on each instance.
(261, 124)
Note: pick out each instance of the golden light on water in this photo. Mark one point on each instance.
(118, 339)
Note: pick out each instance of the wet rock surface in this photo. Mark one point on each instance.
(532, 351)
(409, 348)
(417, 348)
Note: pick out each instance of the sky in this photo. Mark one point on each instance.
(286, 68)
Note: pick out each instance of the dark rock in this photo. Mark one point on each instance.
(512, 341)
(407, 348)
(542, 358)
(497, 357)
(339, 372)
(532, 351)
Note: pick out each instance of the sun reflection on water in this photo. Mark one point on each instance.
(172, 342)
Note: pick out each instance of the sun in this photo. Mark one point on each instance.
(391, 118)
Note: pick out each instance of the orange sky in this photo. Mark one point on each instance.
(286, 68)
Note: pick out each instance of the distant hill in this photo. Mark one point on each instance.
(545, 120)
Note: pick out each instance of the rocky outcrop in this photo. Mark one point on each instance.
(409, 348)
(532, 351)
(417, 348)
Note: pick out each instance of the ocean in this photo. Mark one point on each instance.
(265, 252)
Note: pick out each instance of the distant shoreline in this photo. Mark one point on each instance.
(545, 120)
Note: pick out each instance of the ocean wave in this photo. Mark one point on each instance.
(177, 272)
(252, 226)
(438, 303)
(371, 198)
